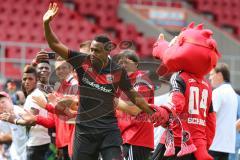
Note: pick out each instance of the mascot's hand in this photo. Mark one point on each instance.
(159, 47)
(160, 117)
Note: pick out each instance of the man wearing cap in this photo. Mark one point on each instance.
(15, 133)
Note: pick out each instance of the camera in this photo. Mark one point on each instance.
(51, 55)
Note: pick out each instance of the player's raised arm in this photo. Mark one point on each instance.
(50, 36)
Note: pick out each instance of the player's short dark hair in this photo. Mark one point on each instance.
(102, 39)
(224, 69)
(129, 54)
(30, 69)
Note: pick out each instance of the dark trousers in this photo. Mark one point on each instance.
(37, 152)
(219, 155)
(159, 152)
(63, 153)
(88, 146)
(136, 152)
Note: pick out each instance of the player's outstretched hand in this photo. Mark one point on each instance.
(51, 13)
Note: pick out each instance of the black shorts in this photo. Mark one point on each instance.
(159, 152)
(131, 152)
(88, 146)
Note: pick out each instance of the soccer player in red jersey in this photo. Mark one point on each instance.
(137, 132)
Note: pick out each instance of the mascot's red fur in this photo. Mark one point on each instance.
(189, 118)
(194, 51)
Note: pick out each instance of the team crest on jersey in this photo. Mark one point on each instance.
(109, 78)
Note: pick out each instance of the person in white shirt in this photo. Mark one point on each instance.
(17, 133)
(225, 103)
(38, 137)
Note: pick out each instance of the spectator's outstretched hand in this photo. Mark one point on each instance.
(40, 101)
(66, 107)
(7, 117)
(52, 11)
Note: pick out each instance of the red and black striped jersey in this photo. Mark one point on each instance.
(97, 89)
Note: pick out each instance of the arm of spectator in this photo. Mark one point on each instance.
(40, 101)
(238, 125)
(5, 138)
(50, 108)
(46, 122)
(50, 36)
(26, 118)
(137, 99)
(42, 55)
(5, 133)
(66, 107)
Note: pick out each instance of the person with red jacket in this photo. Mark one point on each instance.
(67, 85)
(137, 134)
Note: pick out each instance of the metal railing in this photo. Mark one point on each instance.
(23, 60)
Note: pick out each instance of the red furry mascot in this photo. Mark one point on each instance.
(190, 126)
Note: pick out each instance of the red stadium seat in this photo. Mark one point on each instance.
(176, 4)
(204, 5)
(12, 70)
(13, 52)
(31, 52)
(86, 7)
(107, 20)
(131, 1)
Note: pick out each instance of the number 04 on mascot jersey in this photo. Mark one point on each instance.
(191, 123)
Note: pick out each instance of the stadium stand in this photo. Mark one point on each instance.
(226, 13)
